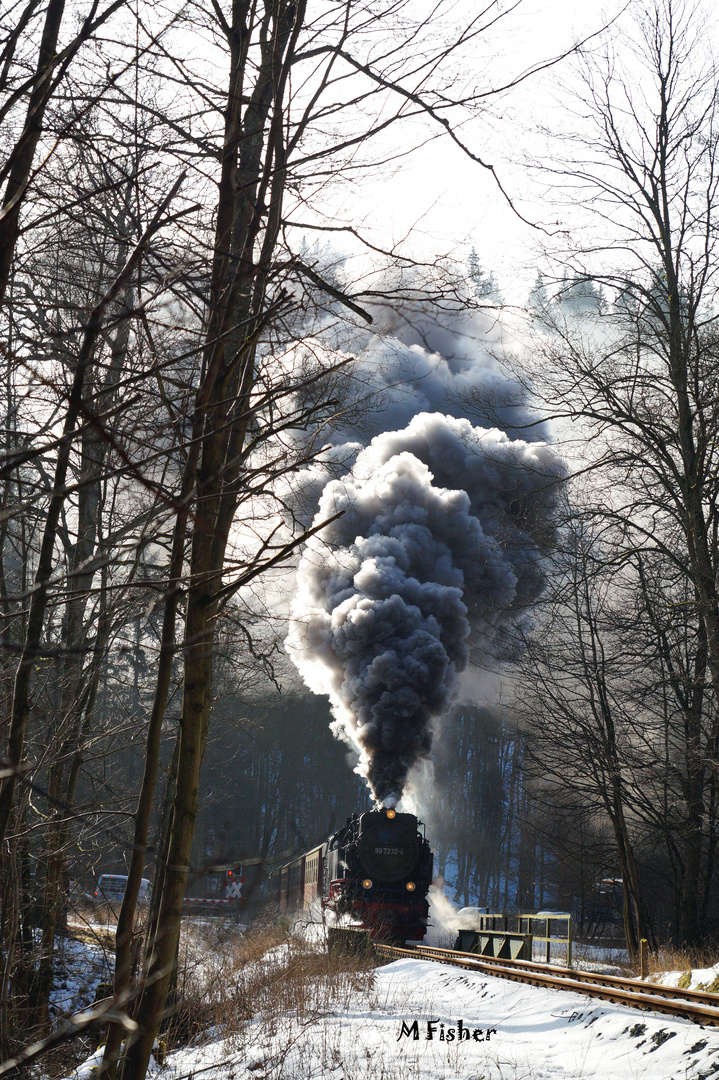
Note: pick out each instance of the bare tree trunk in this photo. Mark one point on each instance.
(509, 827)
(126, 920)
(74, 716)
(38, 603)
(235, 319)
(631, 908)
(62, 791)
(527, 857)
(24, 151)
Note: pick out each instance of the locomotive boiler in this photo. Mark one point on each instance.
(375, 872)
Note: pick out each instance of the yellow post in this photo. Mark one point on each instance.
(643, 958)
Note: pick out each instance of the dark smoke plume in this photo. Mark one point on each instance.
(437, 552)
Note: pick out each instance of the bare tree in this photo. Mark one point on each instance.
(585, 731)
(33, 94)
(639, 378)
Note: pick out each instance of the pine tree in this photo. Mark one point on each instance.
(484, 286)
(580, 295)
(538, 299)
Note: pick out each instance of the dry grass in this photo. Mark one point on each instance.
(686, 960)
(226, 979)
(96, 924)
(104, 936)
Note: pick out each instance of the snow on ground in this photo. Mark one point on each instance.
(692, 979)
(79, 967)
(598, 959)
(603, 954)
(380, 1030)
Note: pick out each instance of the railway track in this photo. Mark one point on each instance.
(702, 1008)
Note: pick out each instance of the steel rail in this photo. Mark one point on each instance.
(703, 997)
(692, 1004)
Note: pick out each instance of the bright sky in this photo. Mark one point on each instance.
(452, 202)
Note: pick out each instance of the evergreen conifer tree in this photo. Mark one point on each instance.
(484, 285)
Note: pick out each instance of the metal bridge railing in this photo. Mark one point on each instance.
(547, 929)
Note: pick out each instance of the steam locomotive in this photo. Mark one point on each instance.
(376, 871)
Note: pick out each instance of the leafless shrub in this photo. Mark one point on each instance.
(226, 979)
(684, 959)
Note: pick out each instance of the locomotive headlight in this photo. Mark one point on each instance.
(391, 814)
(367, 883)
(410, 886)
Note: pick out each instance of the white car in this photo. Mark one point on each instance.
(111, 889)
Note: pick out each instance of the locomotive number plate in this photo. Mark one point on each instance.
(389, 851)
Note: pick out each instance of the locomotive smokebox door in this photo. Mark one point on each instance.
(388, 847)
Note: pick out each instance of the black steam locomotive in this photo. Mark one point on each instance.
(376, 871)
